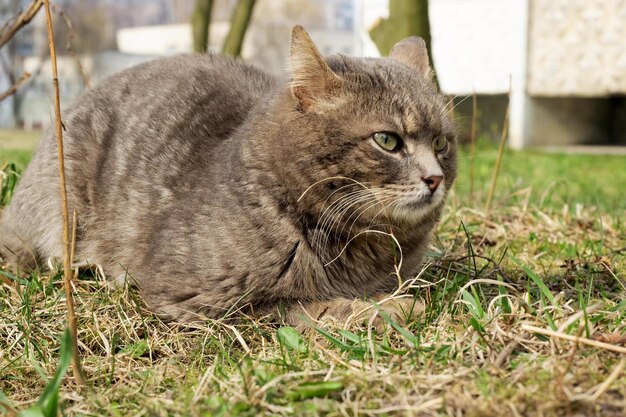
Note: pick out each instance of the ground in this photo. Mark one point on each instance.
(549, 256)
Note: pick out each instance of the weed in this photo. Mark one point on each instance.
(48, 403)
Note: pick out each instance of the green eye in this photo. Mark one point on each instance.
(388, 141)
(440, 143)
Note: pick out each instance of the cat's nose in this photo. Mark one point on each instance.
(433, 182)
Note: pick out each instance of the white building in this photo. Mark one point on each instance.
(566, 60)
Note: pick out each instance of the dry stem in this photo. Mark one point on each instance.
(582, 340)
(7, 33)
(70, 49)
(13, 89)
(67, 268)
(472, 148)
(505, 127)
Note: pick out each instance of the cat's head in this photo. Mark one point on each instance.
(366, 137)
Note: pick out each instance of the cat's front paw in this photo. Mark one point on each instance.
(383, 309)
(346, 313)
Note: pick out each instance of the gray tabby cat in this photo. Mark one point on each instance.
(216, 186)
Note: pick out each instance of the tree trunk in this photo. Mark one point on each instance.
(200, 21)
(238, 27)
(406, 18)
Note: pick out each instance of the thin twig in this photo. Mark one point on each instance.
(472, 148)
(601, 389)
(13, 89)
(73, 244)
(505, 353)
(592, 395)
(67, 267)
(70, 49)
(7, 33)
(505, 127)
(560, 377)
(585, 341)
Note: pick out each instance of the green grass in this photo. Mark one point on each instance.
(16, 146)
(550, 254)
(552, 179)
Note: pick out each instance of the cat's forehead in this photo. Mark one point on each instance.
(372, 73)
(410, 100)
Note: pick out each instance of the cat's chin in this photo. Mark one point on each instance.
(418, 208)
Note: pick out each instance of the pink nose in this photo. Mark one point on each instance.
(433, 182)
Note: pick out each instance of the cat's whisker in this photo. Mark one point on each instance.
(452, 100)
(399, 202)
(339, 215)
(369, 226)
(326, 214)
(359, 212)
(330, 212)
(381, 201)
(398, 267)
(375, 195)
(362, 210)
(455, 106)
(330, 196)
(391, 199)
(406, 199)
(338, 205)
(340, 189)
(330, 179)
(337, 201)
(383, 197)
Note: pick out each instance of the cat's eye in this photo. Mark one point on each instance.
(440, 143)
(388, 141)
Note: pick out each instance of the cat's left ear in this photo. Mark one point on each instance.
(412, 52)
(311, 77)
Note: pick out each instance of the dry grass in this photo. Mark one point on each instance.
(489, 277)
(12, 139)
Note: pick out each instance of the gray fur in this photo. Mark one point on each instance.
(195, 175)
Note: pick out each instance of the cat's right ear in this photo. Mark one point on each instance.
(311, 77)
(413, 53)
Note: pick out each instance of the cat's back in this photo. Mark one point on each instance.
(136, 137)
(155, 120)
(210, 92)
(181, 101)
(186, 80)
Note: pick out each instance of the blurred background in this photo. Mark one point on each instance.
(559, 64)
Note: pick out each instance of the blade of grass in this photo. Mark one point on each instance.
(536, 279)
(472, 149)
(49, 400)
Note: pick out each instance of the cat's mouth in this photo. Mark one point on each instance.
(421, 202)
(424, 198)
(419, 205)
